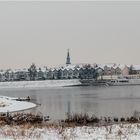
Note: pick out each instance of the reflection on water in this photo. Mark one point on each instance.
(101, 101)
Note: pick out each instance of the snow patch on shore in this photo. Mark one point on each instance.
(9, 104)
(39, 84)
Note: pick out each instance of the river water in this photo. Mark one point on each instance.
(101, 101)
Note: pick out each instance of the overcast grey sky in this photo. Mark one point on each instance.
(41, 32)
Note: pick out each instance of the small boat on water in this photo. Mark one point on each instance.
(118, 82)
(24, 99)
(123, 82)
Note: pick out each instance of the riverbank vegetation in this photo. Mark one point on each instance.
(77, 126)
(77, 119)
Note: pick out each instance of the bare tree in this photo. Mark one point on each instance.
(32, 72)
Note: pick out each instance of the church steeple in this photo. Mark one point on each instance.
(68, 58)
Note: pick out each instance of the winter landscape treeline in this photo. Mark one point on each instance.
(78, 71)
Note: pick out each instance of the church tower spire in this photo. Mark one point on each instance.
(68, 58)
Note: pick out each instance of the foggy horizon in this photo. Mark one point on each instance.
(95, 32)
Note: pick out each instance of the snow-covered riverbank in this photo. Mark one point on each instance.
(113, 132)
(39, 84)
(9, 104)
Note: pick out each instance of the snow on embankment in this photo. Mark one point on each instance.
(112, 132)
(39, 84)
(8, 104)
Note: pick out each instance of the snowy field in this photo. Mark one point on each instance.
(39, 84)
(114, 132)
(9, 104)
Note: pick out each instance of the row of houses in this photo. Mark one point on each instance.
(115, 69)
(62, 72)
(69, 72)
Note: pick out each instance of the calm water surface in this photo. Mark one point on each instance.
(101, 101)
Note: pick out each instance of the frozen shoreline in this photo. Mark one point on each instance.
(9, 104)
(39, 84)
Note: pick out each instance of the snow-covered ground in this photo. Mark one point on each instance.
(114, 132)
(39, 84)
(9, 104)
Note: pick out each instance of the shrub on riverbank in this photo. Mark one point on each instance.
(77, 126)
(22, 118)
(86, 120)
(77, 119)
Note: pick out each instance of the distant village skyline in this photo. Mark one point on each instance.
(68, 62)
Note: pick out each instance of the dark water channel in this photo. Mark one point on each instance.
(101, 101)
